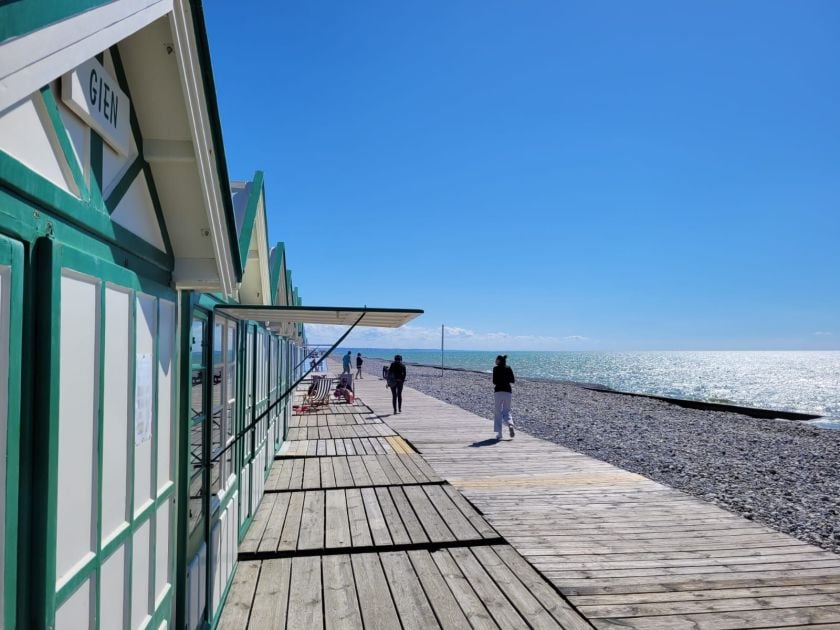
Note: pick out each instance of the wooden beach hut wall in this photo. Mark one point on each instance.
(117, 227)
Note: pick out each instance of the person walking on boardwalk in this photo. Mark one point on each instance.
(359, 362)
(345, 362)
(502, 379)
(396, 380)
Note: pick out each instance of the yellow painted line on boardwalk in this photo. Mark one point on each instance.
(399, 445)
(550, 479)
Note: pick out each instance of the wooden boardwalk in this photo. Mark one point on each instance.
(448, 528)
(360, 532)
(627, 552)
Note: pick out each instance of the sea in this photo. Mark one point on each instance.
(791, 381)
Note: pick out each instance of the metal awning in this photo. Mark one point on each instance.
(341, 315)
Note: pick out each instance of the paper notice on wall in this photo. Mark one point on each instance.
(144, 392)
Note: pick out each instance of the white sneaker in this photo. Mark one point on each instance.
(511, 431)
(499, 435)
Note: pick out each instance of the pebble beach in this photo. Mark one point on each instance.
(782, 473)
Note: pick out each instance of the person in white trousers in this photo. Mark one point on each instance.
(502, 379)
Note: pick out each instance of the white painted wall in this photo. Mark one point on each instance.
(112, 597)
(141, 563)
(116, 410)
(146, 329)
(166, 396)
(74, 614)
(77, 421)
(27, 135)
(136, 213)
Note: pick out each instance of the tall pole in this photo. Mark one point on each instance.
(441, 350)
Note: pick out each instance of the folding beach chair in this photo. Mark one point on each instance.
(319, 392)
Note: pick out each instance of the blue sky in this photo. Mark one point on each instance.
(548, 175)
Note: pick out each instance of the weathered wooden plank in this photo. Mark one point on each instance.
(341, 470)
(392, 517)
(305, 604)
(337, 523)
(375, 600)
(723, 605)
(730, 620)
(312, 523)
(412, 605)
(272, 597)
(296, 479)
(412, 524)
(452, 516)
(520, 596)
(311, 474)
(446, 607)
(476, 520)
(376, 520)
(291, 527)
(274, 527)
(359, 530)
(237, 608)
(358, 470)
(377, 475)
(547, 596)
(475, 611)
(258, 524)
(391, 474)
(340, 601)
(434, 525)
(327, 474)
(495, 601)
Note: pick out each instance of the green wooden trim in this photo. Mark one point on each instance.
(22, 219)
(81, 214)
(97, 151)
(250, 218)
(11, 254)
(124, 184)
(45, 435)
(277, 263)
(21, 18)
(60, 131)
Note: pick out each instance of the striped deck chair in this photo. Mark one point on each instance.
(319, 393)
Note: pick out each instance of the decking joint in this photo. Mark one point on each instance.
(441, 482)
(335, 551)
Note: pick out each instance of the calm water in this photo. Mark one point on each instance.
(793, 381)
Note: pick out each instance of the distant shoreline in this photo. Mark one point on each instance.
(753, 412)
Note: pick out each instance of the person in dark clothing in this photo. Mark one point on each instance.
(502, 379)
(359, 362)
(396, 380)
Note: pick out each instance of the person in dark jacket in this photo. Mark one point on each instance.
(396, 380)
(502, 379)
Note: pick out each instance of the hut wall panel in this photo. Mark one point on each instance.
(140, 573)
(163, 549)
(75, 612)
(116, 377)
(146, 316)
(112, 598)
(77, 434)
(166, 398)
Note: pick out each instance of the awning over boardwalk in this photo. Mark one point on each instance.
(341, 315)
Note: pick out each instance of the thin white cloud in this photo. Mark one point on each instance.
(456, 338)
(823, 333)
